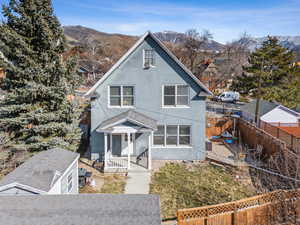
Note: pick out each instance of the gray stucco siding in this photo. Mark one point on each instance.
(148, 85)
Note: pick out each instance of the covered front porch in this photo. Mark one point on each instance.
(127, 142)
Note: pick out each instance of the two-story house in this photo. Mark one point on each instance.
(147, 107)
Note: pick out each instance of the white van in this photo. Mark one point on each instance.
(228, 96)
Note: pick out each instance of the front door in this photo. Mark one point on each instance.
(125, 147)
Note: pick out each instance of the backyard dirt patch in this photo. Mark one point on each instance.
(185, 186)
(105, 183)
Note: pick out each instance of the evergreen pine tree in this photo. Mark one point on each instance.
(271, 66)
(271, 62)
(36, 113)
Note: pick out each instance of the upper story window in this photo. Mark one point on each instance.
(149, 58)
(121, 96)
(175, 95)
(172, 135)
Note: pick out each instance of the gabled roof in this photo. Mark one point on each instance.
(132, 49)
(264, 107)
(288, 110)
(41, 171)
(131, 116)
(81, 209)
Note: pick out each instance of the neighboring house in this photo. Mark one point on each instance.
(81, 209)
(49, 172)
(89, 74)
(281, 116)
(209, 75)
(248, 110)
(147, 106)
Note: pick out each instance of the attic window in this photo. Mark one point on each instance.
(149, 59)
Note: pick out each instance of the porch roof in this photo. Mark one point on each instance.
(131, 116)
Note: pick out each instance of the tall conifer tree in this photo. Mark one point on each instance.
(271, 68)
(36, 113)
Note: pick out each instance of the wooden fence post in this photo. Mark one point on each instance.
(234, 216)
(206, 218)
(179, 218)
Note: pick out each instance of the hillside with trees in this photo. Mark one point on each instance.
(98, 51)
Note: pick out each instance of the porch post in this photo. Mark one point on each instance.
(105, 150)
(149, 150)
(128, 153)
(110, 142)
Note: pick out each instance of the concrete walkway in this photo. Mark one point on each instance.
(138, 181)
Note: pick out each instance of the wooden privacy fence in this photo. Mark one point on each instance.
(266, 209)
(287, 132)
(216, 126)
(253, 136)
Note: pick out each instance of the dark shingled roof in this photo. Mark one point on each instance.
(264, 107)
(131, 116)
(81, 209)
(39, 171)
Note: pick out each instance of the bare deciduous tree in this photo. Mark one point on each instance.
(193, 44)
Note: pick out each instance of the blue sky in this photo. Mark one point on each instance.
(226, 19)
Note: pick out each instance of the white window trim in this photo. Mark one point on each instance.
(70, 182)
(121, 106)
(178, 136)
(144, 50)
(175, 106)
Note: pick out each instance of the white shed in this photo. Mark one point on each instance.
(281, 114)
(49, 172)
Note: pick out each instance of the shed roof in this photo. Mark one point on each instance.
(81, 209)
(132, 49)
(131, 116)
(42, 170)
(264, 107)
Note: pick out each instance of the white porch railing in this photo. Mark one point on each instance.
(112, 162)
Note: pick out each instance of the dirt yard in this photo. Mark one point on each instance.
(105, 183)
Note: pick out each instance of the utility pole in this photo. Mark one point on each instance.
(258, 93)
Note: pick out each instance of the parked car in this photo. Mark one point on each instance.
(227, 96)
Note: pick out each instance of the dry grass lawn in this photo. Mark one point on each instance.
(105, 183)
(186, 186)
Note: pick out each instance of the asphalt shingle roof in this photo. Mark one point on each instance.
(81, 209)
(131, 115)
(39, 170)
(264, 107)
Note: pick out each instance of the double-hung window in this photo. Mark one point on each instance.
(121, 96)
(172, 135)
(149, 58)
(175, 95)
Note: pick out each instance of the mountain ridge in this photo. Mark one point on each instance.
(77, 35)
